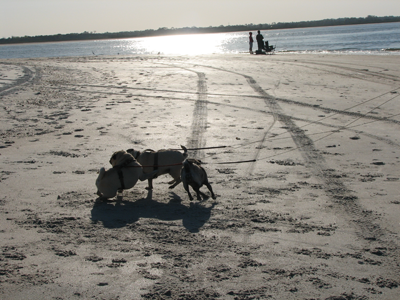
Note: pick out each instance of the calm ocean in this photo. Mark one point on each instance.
(379, 39)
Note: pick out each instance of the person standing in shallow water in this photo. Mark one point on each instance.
(260, 41)
(251, 41)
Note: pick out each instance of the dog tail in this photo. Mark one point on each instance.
(185, 154)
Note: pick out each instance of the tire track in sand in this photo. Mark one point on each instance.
(9, 88)
(344, 200)
(199, 120)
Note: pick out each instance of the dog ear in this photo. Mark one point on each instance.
(113, 157)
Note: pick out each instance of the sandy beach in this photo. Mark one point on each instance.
(303, 155)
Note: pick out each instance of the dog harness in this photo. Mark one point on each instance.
(121, 177)
(120, 174)
(155, 164)
(137, 154)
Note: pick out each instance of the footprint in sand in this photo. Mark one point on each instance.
(392, 179)
(6, 144)
(79, 172)
(93, 258)
(78, 135)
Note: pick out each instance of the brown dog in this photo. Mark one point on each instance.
(161, 162)
(194, 175)
(124, 174)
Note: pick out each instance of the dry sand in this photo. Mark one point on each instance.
(315, 217)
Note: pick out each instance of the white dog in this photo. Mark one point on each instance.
(125, 173)
(194, 175)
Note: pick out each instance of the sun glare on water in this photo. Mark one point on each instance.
(193, 44)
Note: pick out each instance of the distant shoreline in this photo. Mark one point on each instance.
(90, 36)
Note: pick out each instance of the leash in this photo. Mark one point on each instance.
(203, 163)
(235, 162)
(216, 147)
(153, 166)
(121, 175)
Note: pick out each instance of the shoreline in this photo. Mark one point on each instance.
(315, 216)
(375, 53)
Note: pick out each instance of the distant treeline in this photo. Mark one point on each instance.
(195, 30)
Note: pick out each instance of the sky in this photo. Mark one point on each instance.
(48, 17)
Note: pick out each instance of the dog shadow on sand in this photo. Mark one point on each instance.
(118, 214)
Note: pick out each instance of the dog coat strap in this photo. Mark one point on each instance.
(137, 154)
(121, 178)
(155, 161)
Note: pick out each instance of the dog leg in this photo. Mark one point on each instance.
(175, 183)
(210, 189)
(186, 187)
(120, 195)
(149, 195)
(150, 187)
(196, 188)
(198, 195)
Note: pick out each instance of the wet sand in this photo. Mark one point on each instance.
(305, 169)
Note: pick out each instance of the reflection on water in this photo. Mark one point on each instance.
(182, 44)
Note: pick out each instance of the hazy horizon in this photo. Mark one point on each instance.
(50, 17)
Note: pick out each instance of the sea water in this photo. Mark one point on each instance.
(382, 39)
